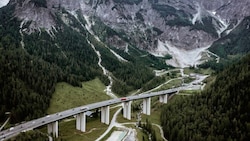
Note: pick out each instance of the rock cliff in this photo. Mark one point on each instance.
(158, 26)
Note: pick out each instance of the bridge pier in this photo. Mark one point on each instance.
(105, 115)
(53, 129)
(81, 122)
(127, 110)
(163, 98)
(146, 106)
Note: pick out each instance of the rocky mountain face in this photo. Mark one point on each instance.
(161, 27)
(120, 42)
(3, 3)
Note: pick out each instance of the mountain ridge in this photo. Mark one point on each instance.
(184, 25)
(74, 41)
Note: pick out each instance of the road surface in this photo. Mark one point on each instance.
(30, 125)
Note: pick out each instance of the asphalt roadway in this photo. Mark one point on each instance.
(30, 125)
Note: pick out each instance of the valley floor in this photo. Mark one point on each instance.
(131, 133)
(66, 97)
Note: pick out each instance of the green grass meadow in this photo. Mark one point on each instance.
(66, 96)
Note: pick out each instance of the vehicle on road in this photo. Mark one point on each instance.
(84, 108)
(11, 128)
(123, 99)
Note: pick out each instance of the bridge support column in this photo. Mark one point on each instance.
(105, 115)
(127, 110)
(163, 98)
(146, 106)
(53, 129)
(81, 122)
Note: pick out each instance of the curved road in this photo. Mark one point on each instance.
(30, 125)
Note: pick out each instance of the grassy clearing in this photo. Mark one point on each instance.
(176, 98)
(198, 70)
(121, 119)
(66, 96)
(158, 133)
(190, 92)
(188, 79)
(67, 130)
(94, 128)
(173, 83)
(209, 80)
(155, 112)
(141, 135)
(154, 116)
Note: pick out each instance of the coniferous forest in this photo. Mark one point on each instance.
(32, 65)
(221, 112)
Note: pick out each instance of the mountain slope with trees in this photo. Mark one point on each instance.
(221, 112)
(236, 42)
(32, 63)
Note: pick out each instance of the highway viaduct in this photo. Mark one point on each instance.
(80, 113)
